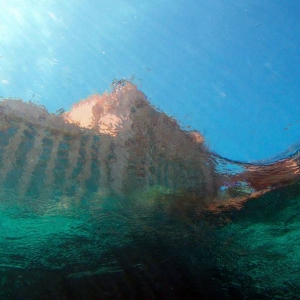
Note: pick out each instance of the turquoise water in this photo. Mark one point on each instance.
(107, 248)
(144, 213)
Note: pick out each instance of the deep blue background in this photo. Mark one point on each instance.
(227, 68)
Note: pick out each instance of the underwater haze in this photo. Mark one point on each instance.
(154, 153)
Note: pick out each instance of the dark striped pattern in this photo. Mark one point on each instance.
(36, 161)
(44, 156)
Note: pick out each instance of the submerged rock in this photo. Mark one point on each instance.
(116, 143)
(119, 144)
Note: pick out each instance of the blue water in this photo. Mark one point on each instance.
(229, 70)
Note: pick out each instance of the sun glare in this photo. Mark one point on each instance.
(18, 17)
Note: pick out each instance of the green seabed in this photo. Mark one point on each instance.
(63, 247)
(258, 252)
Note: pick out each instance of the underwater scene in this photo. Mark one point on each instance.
(149, 151)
